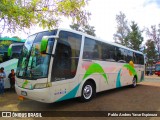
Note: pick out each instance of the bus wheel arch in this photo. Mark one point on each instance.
(88, 90)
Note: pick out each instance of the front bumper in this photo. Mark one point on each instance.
(41, 95)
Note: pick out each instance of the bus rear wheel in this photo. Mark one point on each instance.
(134, 82)
(88, 91)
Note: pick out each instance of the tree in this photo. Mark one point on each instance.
(151, 52)
(86, 29)
(18, 38)
(134, 37)
(129, 36)
(2, 45)
(89, 30)
(154, 34)
(20, 14)
(75, 27)
(122, 29)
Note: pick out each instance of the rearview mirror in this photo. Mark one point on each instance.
(9, 51)
(44, 43)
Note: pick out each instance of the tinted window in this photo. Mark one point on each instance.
(139, 59)
(108, 52)
(121, 55)
(66, 56)
(45, 33)
(129, 56)
(92, 49)
(16, 50)
(102, 51)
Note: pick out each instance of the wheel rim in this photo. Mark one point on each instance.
(87, 91)
(134, 82)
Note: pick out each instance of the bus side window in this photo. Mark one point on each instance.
(129, 56)
(92, 49)
(121, 55)
(95, 54)
(135, 58)
(86, 55)
(108, 52)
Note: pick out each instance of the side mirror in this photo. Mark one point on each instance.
(44, 43)
(10, 51)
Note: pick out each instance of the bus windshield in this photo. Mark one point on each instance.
(16, 50)
(32, 64)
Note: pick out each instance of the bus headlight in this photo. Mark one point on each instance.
(42, 85)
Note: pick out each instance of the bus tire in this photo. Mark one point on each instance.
(134, 82)
(88, 91)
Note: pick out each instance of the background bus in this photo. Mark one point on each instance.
(4, 48)
(10, 62)
(62, 64)
(157, 68)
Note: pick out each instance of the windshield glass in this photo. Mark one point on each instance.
(157, 67)
(16, 51)
(32, 64)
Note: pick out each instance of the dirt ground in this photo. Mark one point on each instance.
(145, 97)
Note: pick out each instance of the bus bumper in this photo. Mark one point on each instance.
(41, 95)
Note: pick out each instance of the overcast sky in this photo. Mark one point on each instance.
(143, 12)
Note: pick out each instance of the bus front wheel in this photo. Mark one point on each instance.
(88, 91)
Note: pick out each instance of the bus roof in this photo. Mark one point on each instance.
(99, 39)
(12, 39)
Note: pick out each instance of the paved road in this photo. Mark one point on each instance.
(145, 97)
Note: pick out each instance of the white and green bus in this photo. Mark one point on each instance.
(63, 64)
(11, 60)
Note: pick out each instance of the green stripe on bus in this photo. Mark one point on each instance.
(130, 68)
(95, 68)
(25, 83)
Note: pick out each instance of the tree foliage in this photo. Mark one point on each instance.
(75, 27)
(18, 38)
(127, 35)
(134, 37)
(4, 43)
(19, 14)
(154, 34)
(86, 29)
(89, 30)
(122, 29)
(151, 52)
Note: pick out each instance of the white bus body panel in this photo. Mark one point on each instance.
(8, 65)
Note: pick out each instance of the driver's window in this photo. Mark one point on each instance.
(66, 56)
(62, 61)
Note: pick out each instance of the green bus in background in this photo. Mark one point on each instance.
(10, 49)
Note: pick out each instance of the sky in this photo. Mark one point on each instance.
(144, 12)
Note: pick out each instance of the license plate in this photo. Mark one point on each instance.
(24, 93)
